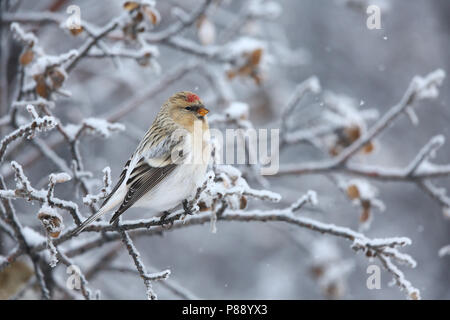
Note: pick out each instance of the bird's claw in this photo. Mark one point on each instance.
(186, 208)
(165, 224)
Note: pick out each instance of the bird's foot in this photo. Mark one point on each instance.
(165, 224)
(186, 208)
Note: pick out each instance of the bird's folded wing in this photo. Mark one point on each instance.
(143, 178)
(151, 169)
(119, 183)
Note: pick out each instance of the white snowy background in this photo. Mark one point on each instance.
(357, 68)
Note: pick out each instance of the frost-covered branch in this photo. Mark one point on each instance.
(380, 248)
(25, 191)
(87, 293)
(309, 85)
(24, 246)
(225, 194)
(28, 130)
(418, 171)
(180, 25)
(89, 199)
(151, 295)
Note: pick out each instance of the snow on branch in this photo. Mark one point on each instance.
(90, 199)
(225, 193)
(151, 295)
(179, 26)
(25, 242)
(28, 130)
(25, 191)
(100, 127)
(418, 171)
(419, 89)
(426, 153)
(385, 249)
(309, 197)
(311, 85)
(27, 38)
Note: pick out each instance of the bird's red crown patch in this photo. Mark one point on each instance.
(192, 97)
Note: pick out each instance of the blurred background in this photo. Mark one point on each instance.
(328, 39)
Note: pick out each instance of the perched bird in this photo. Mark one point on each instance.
(168, 164)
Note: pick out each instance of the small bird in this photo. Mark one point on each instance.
(168, 164)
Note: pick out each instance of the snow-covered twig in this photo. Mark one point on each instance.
(28, 130)
(89, 199)
(180, 25)
(224, 195)
(13, 221)
(132, 251)
(26, 191)
(175, 288)
(312, 85)
(419, 89)
(418, 171)
(384, 248)
(84, 49)
(87, 293)
(428, 151)
(399, 278)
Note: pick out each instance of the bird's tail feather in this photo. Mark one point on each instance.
(89, 220)
(115, 198)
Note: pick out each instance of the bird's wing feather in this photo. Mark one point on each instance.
(152, 168)
(103, 209)
(146, 179)
(154, 164)
(119, 183)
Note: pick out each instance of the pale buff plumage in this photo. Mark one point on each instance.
(168, 164)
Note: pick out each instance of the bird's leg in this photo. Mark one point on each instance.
(164, 215)
(115, 223)
(162, 219)
(186, 208)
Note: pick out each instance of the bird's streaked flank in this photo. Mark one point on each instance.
(168, 164)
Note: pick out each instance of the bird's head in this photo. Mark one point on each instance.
(185, 108)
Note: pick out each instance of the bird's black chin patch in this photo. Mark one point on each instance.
(201, 118)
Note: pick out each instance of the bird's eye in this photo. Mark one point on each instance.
(188, 108)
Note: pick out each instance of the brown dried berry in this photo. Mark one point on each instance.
(368, 148)
(352, 133)
(26, 57)
(353, 192)
(317, 271)
(57, 78)
(202, 207)
(255, 57)
(41, 86)
(151, 14)
(139, 16)
(76, 31)
(414, 295)
(131, 5)
(365, 214)
(243, 203)
(251, 66)
(51, 222)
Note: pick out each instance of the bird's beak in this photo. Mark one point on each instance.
(202, 111)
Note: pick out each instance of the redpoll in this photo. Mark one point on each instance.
(168, 164)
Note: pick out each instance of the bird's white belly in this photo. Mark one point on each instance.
(179, 185)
